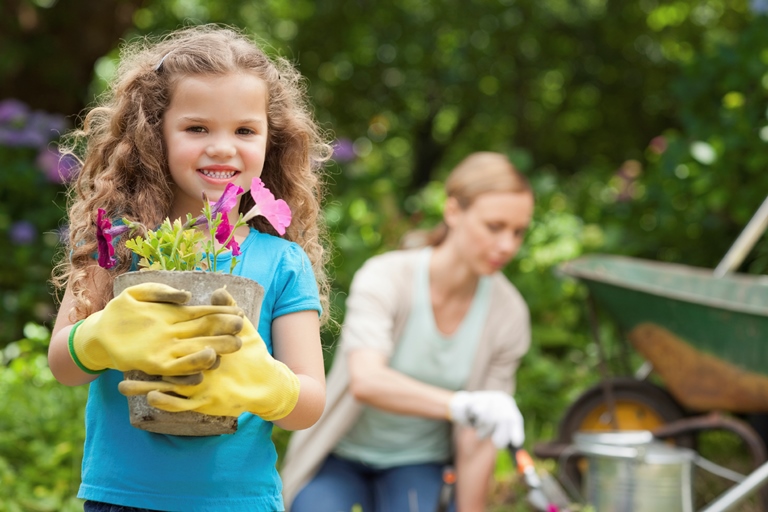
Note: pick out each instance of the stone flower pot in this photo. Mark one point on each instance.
(248, 294)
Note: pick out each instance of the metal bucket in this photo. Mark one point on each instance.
(630, 472)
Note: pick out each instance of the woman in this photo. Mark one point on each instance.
(432, 337)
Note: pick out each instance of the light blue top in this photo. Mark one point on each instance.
(382, 439)
(124, 465)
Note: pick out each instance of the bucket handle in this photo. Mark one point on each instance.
(619, 452)
(718, 470)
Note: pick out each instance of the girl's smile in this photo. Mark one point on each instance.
(215, 132)
(218, 172)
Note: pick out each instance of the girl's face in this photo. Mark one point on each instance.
(215, 132)
(488, 234)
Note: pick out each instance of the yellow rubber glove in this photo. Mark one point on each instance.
(147, 328)
(250, 380)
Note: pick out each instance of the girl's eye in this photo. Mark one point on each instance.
(196, 129)
(495, 228)
(245, 131)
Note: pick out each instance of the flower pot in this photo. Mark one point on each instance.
(248, 294)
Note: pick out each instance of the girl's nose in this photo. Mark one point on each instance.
(220, 149)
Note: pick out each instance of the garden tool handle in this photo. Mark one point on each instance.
(447, 488)
(745, 241)
(544, 493)
(524, 464)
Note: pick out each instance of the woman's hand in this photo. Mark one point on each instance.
(491, 413)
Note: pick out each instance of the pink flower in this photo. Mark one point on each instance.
(276, 211)
(104, 235)
(224, 233)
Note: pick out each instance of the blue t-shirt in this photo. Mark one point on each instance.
(124, 465)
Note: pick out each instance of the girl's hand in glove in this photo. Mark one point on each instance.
(147, 327)
(250, 380)
(493, 413)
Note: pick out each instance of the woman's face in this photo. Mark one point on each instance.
(488, 233)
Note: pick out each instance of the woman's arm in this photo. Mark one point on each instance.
(296, 342)
(376, 298)
(374, 383)
(475, 461)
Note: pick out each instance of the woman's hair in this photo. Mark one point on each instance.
(477, 174)
(124, 165)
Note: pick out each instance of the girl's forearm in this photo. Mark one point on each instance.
(309, 407)
(60, 362)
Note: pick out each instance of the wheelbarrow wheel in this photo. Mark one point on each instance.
(639, 405)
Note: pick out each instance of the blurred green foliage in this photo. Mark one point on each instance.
(41, 430)
(31, 210)
(642, 126)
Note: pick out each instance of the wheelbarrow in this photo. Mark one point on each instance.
(704, 333)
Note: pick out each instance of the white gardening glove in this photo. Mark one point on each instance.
(491, 413)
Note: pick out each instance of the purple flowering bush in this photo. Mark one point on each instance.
(32, 201)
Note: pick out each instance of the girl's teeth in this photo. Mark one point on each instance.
(218, 174)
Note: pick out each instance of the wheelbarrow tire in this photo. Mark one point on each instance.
(640, 405)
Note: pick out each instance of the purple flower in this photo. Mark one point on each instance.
(226, 202)
(23, 128)
(50, 126)
(759, 6)
(13, 111)
(343, 150)
(57, 167)
(104, 235)
(23, 232)
(24, 137)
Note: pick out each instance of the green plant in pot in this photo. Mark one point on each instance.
(184, 255)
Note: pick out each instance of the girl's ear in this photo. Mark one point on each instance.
(451, 211)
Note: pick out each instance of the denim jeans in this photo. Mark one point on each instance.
(340, 484)
(97, 506)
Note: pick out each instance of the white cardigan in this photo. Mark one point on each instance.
(378, 306)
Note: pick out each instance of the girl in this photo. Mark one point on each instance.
(188, 114)
(430, 335)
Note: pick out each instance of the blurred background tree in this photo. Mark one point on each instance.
(641, 124)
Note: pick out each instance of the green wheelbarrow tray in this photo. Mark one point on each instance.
(706, 336)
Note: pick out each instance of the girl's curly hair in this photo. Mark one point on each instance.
(124, 167)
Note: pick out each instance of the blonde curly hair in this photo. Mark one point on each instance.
(124, 167)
